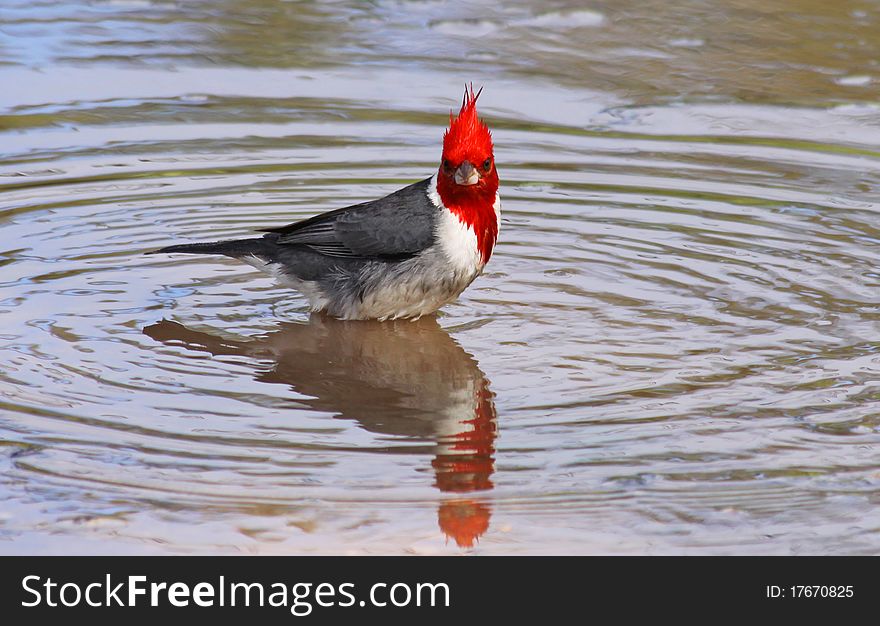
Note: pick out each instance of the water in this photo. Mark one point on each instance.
(675, 348)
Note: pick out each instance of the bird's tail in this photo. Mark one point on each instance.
(236, 248)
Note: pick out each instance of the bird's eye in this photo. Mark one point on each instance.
(446, 164)
(487, 164)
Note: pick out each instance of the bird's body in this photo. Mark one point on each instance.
(401, 256)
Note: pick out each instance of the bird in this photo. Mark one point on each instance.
(401, 256)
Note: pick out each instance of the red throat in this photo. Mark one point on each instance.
(469, 139)
(475, 209)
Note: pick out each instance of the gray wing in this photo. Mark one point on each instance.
(396, 226)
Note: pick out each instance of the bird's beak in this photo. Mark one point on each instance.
(467, 174)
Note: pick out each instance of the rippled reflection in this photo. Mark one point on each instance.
(402, 378)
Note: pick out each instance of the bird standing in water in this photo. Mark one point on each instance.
(401, 256)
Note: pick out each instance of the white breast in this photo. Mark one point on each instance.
(459, 243)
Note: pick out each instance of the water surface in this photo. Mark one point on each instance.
(674, 348)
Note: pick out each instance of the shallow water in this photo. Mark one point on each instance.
(674, 349)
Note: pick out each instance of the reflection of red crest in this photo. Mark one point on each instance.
(464, 463)
(464, 521)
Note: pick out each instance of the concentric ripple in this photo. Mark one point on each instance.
(674, 349)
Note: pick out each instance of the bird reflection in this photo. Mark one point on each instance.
(401, 378)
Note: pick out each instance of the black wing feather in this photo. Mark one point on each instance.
(396, 226)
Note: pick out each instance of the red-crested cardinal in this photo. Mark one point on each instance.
(401, 256)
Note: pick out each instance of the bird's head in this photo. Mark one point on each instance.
(467, 168)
